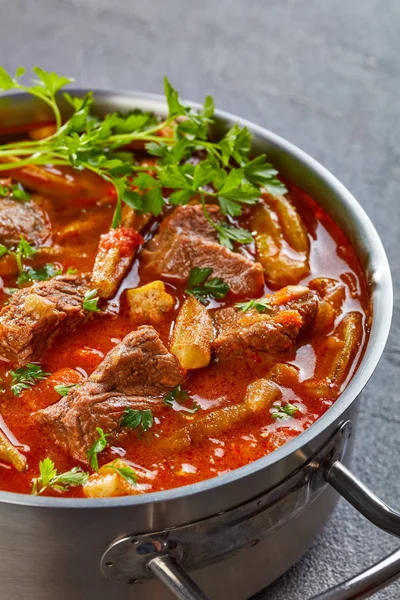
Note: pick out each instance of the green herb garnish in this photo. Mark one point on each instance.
(44, 273)
(223, 172)
(260, 304)
(201, 287)
(90, 301)
(133, 418)
(15, 190)
(283, 412)
(99, 445)
(25, 377)
(49, 478)
(63, 388)
(175, 397)
(126, 472)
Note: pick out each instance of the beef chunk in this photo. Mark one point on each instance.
(135, 374)
(25, 219)
(186, 240)
(35, 316)
(292, 309)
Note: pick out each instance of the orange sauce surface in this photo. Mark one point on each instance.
(218, 385)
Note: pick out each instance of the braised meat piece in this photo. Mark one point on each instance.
(135, 374)
(35, 316)
(186, 240)
(276, 330)
(26, 219)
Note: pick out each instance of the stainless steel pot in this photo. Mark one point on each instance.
(235, 533)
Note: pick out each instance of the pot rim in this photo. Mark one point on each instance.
(382, 300)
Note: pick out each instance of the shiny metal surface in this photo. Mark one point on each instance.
(211, 540)
(59, 541)
(168, 571)
(363, 499)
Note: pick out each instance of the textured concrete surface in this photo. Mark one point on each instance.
(325, 75)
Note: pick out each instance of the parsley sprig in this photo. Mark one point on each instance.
(133, 418)
(61, 482)
(126, 472)
(260, 304)
(283, 412)
(188, 163)
(98, 446)
(176, 396)
(90, 301)
(201, 287)
(26, 377)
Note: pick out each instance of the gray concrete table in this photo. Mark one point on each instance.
(322, 73)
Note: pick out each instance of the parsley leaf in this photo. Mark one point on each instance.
(90, 301)
(260, 304)
(48, 271)
(63, 388)
(202, 288)
(25, 377)
(283, 412)
(14, 190)
(49, 478)
(126, 472)
(177, 395)
(229, 235)
(133, 418)
(99, 445)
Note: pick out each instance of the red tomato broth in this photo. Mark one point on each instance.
(217, 385)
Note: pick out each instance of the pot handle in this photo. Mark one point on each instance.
(363, 585)
(384, 572)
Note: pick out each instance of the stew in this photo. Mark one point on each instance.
(170, 308)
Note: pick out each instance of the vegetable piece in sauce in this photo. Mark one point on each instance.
(192, 335)
(260, 395)
(114, 256)
(282, 267)
(112, 479)
(10, 454)
(149, 303)
(339, 351)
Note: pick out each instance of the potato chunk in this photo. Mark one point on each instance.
(192, 335)
(109, 482)
(150, 302)
(281, 241)
(10, 454)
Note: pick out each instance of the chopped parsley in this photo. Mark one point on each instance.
(48, 271)
(201, 287)
(175, 397)
(283, 412)
(90, 301)
(15, 190)
(99, 445)
(63, 388)
(25, 377)
(133, 418)
(61, 482)
(126, 472)
(260, 304)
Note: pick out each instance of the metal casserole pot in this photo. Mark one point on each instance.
(235, 533)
